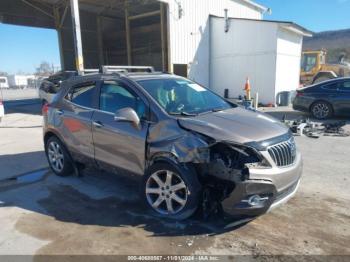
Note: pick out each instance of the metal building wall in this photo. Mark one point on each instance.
(248, 50)
(265, 52)
(190, 34)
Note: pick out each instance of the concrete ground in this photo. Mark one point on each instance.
(101, 213)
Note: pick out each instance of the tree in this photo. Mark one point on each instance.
(44, 69)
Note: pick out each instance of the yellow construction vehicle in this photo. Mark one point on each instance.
(314, 68)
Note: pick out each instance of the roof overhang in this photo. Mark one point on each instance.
(261, 8)
(295, 28)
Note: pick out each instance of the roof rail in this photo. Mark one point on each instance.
(91, 71)
(126, 69)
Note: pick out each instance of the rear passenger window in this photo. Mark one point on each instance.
(115, 96)
(82, 95)
(331, 86)
(345, 86)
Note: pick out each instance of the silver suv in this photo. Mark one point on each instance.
(190, 148)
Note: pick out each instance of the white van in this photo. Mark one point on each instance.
(2, 109)
(4, 82)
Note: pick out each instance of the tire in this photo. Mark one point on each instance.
(58, 157)
(176, 198)
(321, 110)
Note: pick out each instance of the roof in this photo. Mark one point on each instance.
(298, 29)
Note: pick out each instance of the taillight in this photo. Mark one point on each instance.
(299, 94)
(1, 102)
(45, 108)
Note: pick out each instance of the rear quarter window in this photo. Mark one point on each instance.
(82, 95)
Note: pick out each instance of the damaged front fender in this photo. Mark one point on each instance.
(167, 139)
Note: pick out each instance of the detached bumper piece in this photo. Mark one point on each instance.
(256, 197)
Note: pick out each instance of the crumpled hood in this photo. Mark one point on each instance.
(236, 125)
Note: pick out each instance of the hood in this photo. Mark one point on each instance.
(236, 125)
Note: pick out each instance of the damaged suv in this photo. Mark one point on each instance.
(190, 148)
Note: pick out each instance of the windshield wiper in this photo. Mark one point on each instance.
(183, 113)
(218, 109)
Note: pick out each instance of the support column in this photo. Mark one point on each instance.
(100, 40)
(163, 25)
(128, 37)
(58, 27)
(78, 47)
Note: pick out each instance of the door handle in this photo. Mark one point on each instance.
(60, 112)
(97, 124)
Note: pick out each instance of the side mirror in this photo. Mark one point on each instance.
(127, 115)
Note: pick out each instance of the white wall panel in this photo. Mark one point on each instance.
(289, 47)
(247, 50)
(189, 35)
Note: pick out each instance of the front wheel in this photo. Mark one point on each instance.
(171, 191)
(321, 110)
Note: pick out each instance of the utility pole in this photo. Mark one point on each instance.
(78, 47)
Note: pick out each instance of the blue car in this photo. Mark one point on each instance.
(326, 99)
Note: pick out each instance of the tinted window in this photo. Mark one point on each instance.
(2, 80)
(345, 86)
(83, 95)
(115, 96)
(331, 86)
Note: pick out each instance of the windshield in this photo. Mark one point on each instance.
(181, 96)
(308, 62)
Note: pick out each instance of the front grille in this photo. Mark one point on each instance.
(283, 154)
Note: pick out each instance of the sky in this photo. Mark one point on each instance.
(22, 49)
(315, 15)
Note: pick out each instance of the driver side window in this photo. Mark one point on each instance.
(115, 96)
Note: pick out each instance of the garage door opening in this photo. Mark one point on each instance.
(124, 33)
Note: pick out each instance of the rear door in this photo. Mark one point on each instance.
(120, 144)
(76, 119)
(344, 97)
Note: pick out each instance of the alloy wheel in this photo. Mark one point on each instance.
(321, 110)
(166, 192)
(56, 156)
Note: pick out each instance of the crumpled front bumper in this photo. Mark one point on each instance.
(264, 190)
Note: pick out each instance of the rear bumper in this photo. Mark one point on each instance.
(265, 190)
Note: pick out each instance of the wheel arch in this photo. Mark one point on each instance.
(324, 101)
(50, 133)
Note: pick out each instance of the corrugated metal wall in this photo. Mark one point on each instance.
(189, 34)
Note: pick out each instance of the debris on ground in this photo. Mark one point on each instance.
(305, 127)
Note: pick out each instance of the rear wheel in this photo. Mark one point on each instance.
(58, 157)
(171, 191)
(321, 110)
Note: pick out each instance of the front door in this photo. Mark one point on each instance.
(119, 144)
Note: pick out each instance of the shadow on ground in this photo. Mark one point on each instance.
(103, 200)
(24, 106)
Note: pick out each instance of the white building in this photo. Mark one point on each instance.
(20, 81)
(267, 52)
(3, 82)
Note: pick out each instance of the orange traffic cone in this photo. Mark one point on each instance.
(247, 89)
